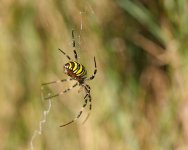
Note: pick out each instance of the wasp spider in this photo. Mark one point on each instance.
(77, 72)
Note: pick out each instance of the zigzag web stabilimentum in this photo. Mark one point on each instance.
(38, 131)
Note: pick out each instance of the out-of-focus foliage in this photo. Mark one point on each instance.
(139, 94)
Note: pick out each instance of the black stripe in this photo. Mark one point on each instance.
(78, 67)
(72, 65)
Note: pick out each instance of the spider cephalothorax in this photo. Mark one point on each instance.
(77, 72)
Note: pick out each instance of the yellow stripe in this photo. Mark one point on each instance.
(75, 66)
(80, 70)
(83, 73)
(70, 65)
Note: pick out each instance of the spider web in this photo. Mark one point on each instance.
(87, 10)
(38, 130)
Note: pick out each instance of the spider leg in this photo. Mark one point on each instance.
(68, 57)
(58, 94)
(80, 112)
(87, 87)
(90, 107)
(95, 71)
(74, 45)
(57, 81)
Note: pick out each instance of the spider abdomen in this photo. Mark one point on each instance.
(75, 70)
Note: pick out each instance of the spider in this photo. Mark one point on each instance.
(76, 71)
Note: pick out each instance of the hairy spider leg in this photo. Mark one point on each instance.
(95, 71)
(83, 107)
(74, 46)
(60, 93)
(90, 105)
(57, 81)
(68, 57)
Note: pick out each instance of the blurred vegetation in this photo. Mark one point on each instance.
(141, 52)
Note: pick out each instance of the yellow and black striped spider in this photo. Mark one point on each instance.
(77, 72)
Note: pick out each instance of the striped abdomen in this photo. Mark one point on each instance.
(75, 70)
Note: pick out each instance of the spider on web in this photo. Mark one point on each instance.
(76, 71)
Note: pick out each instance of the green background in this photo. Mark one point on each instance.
(139, 95)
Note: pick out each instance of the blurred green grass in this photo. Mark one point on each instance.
(140, 91)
